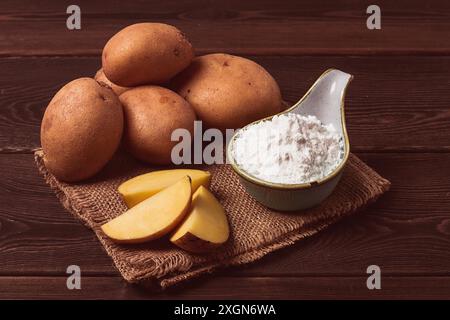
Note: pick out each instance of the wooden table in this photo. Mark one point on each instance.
(398, 115)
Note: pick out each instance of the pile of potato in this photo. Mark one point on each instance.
(150, 84)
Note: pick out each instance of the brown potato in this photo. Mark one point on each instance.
(152, 113)
(228, 91)
(101, 77)
(146, 53)
(81, 129)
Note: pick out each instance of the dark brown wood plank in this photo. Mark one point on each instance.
(406, 232)
(243, 27)
(36, 234)
(394, 103)
(224, 288)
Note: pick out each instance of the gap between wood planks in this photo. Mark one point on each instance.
(229, 288)
(365, 149)
(220, 274)
(316, 52)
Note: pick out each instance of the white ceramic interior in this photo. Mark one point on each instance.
(325, 99)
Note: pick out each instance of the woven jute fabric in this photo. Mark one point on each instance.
(255, 229)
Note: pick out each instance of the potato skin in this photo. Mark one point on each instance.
(228, 91)
(192, 243)
(152, 113)
(146, 53)
(81, 129)
(101, 77)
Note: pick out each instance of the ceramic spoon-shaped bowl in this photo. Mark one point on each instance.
(325, 100)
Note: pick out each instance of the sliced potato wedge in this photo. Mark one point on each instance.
(206, 225)
(141, 187)
(153, 217)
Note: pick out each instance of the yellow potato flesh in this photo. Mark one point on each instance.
(141, 187)
(206, 222)
(154, 217)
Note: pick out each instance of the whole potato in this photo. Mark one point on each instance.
(152, 113)
(228, 91)
(81, 129)
(101, 77)
(146, 53)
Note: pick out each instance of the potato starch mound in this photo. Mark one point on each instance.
(289, 149)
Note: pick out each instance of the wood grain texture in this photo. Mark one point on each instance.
(393, 103)
(398, 119)
(243, 27)
(37, 235)
(225, 288)
(407, 232)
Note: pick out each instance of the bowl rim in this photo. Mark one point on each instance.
(282, 186)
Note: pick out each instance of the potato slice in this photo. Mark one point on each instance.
(154, 217)
(141, 187)
(205, 227)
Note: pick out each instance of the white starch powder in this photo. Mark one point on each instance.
(289, 149)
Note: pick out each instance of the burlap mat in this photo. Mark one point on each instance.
(256, 230)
